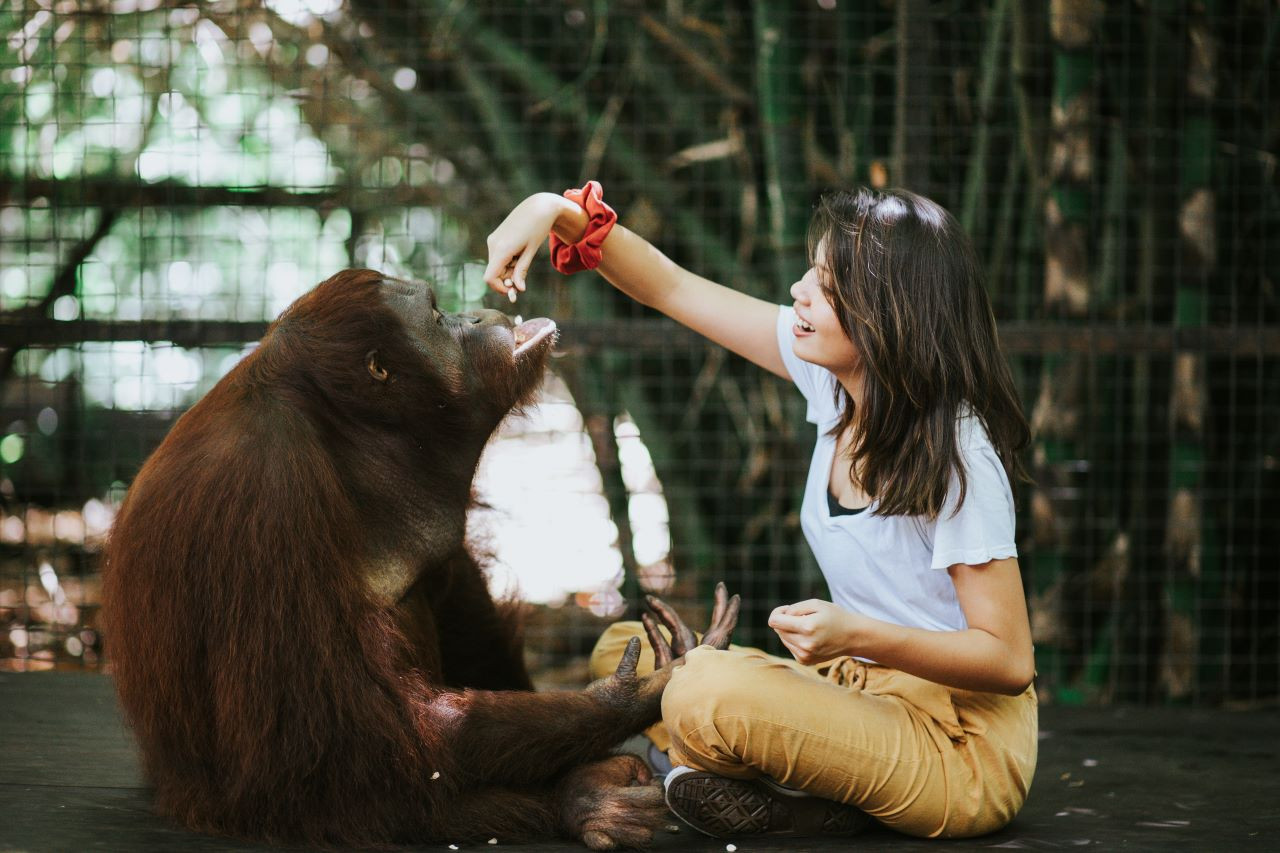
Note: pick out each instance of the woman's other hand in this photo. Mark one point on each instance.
(814, 630)
(513, 244)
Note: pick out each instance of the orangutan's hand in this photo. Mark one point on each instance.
(724, 618)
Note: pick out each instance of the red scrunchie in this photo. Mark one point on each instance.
(585, 254)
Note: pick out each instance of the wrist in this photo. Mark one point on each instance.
(854, 631)
(571, 220)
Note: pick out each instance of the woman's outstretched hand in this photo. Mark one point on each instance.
(513, 244)
(814, 630)
(724, 617)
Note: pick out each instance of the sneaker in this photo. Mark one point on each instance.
(722, 807)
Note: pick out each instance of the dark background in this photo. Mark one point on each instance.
(171, 175)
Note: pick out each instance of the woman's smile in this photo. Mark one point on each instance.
(817, 336)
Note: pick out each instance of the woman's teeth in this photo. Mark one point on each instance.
(805, 326)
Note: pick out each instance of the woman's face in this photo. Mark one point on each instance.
(817, 336)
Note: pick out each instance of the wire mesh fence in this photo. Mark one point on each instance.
(173, 175)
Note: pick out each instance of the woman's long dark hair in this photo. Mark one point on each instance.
(903, 278)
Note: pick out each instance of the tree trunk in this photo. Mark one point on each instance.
(1060, 409)
(1197, 234)
(913, 128)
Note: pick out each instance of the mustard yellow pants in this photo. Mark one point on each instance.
(923, 759)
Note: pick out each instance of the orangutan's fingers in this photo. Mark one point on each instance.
(719, 633)
(717, 612)
(661, 648)
(682, 639)
(630, 658)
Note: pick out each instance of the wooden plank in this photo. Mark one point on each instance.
(1111, 778)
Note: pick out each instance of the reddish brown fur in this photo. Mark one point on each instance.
(272, 694)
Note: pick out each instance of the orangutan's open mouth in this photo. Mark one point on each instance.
(530, 333)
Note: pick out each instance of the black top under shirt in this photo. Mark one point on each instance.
(834, 507)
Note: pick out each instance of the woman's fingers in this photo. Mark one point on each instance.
(508, 270)
(522, 265)
(501, 271)
(809, 605)
(500, 259)
(786, 622)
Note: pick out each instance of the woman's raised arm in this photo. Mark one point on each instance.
(743, 324)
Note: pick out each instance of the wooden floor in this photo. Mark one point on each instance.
(1110, 779)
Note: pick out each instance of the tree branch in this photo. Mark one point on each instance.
(64, 283)
(99, 191)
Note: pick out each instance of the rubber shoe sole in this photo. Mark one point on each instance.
(724, 808)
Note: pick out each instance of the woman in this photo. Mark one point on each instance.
(910, 697)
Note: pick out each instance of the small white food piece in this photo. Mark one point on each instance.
(435, 775)
(511, 294)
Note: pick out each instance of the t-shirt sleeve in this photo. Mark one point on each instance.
(817, 384)
(983, 529)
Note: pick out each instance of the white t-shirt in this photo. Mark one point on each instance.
(894, 568)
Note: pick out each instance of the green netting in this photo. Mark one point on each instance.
(172, 175)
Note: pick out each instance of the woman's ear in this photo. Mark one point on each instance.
(376, 370)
